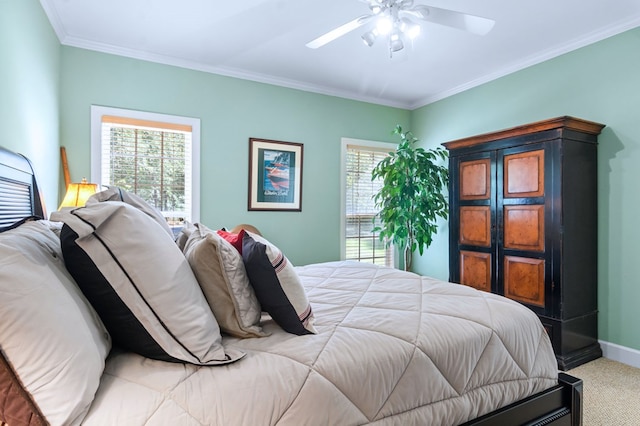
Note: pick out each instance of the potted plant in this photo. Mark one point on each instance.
(412, 195)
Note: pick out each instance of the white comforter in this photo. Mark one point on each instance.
(392, 348)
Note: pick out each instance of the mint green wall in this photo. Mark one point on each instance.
(29, 90)
(600, 82)
(231, 111)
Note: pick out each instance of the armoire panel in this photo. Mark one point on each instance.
(524, 227)
(475, 269)
(524, 280)
(475, 179)
(524, 174)
(475, 225)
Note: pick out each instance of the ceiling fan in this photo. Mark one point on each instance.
(397, 19)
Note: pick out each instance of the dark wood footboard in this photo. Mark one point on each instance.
(559, 405)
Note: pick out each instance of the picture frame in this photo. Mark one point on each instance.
(275, 175)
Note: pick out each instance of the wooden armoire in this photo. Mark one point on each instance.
(523, 224)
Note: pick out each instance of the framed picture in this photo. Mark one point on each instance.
(275, 175)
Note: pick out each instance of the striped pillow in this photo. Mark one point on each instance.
(140, 284)
(277, 285)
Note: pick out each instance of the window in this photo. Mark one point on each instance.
(155, 156)
(358, 240)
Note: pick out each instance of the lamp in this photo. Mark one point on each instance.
(78, 194)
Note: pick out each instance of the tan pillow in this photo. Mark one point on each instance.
(219, 269)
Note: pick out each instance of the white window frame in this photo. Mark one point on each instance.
(97, 112)
(343, 185)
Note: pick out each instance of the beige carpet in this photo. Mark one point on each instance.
(611, 393)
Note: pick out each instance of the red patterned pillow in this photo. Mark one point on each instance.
(234, 239)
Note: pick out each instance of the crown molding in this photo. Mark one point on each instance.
(571, 45)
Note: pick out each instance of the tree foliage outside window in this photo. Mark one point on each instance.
(151, 164)
(153, 155)
(361, 242)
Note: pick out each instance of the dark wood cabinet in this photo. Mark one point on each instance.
(523, 224)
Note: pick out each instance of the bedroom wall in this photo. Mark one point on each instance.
(231, 111)
(29, 90)
(601, 83)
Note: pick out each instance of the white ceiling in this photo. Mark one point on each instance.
(264, 40)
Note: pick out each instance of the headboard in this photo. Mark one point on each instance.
(19, 199)
(19, 194)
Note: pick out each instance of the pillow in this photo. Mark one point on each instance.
(52, 340)
(219, 269)
(140, 284)
(16, 404)
(234, 239)
(277, 285)
(114, 193)
(183, 235)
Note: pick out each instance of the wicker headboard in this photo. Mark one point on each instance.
(19, 194)
(19, 199)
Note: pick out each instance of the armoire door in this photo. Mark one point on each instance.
(475, 215)
(524, 256)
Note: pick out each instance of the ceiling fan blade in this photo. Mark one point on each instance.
(339, 32)
(450, 18)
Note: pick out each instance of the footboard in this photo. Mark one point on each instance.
(559, 405)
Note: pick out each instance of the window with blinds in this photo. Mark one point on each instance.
(150, 158)
(360, 242)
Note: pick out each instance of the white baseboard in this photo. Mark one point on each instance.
(621, 354)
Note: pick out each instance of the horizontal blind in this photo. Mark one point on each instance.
(151, 159)
(362, 243)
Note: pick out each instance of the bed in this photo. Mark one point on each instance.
(357, 343)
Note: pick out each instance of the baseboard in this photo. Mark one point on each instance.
(621, 354)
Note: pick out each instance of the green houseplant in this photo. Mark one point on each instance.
(412, 195)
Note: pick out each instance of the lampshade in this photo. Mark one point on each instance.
(78, 193)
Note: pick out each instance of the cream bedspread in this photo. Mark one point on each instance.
(392, 348)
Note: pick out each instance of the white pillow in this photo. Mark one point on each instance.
(114, 193)
(140, 284)
(51, 336)
(219, 269)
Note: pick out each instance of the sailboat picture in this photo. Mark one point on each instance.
(276, 170)
(275, 175)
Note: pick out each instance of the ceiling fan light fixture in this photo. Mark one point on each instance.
(370, 37)
(384, 24)
(399, 21)
(396, 44)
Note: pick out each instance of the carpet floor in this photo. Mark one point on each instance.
(611, 393)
